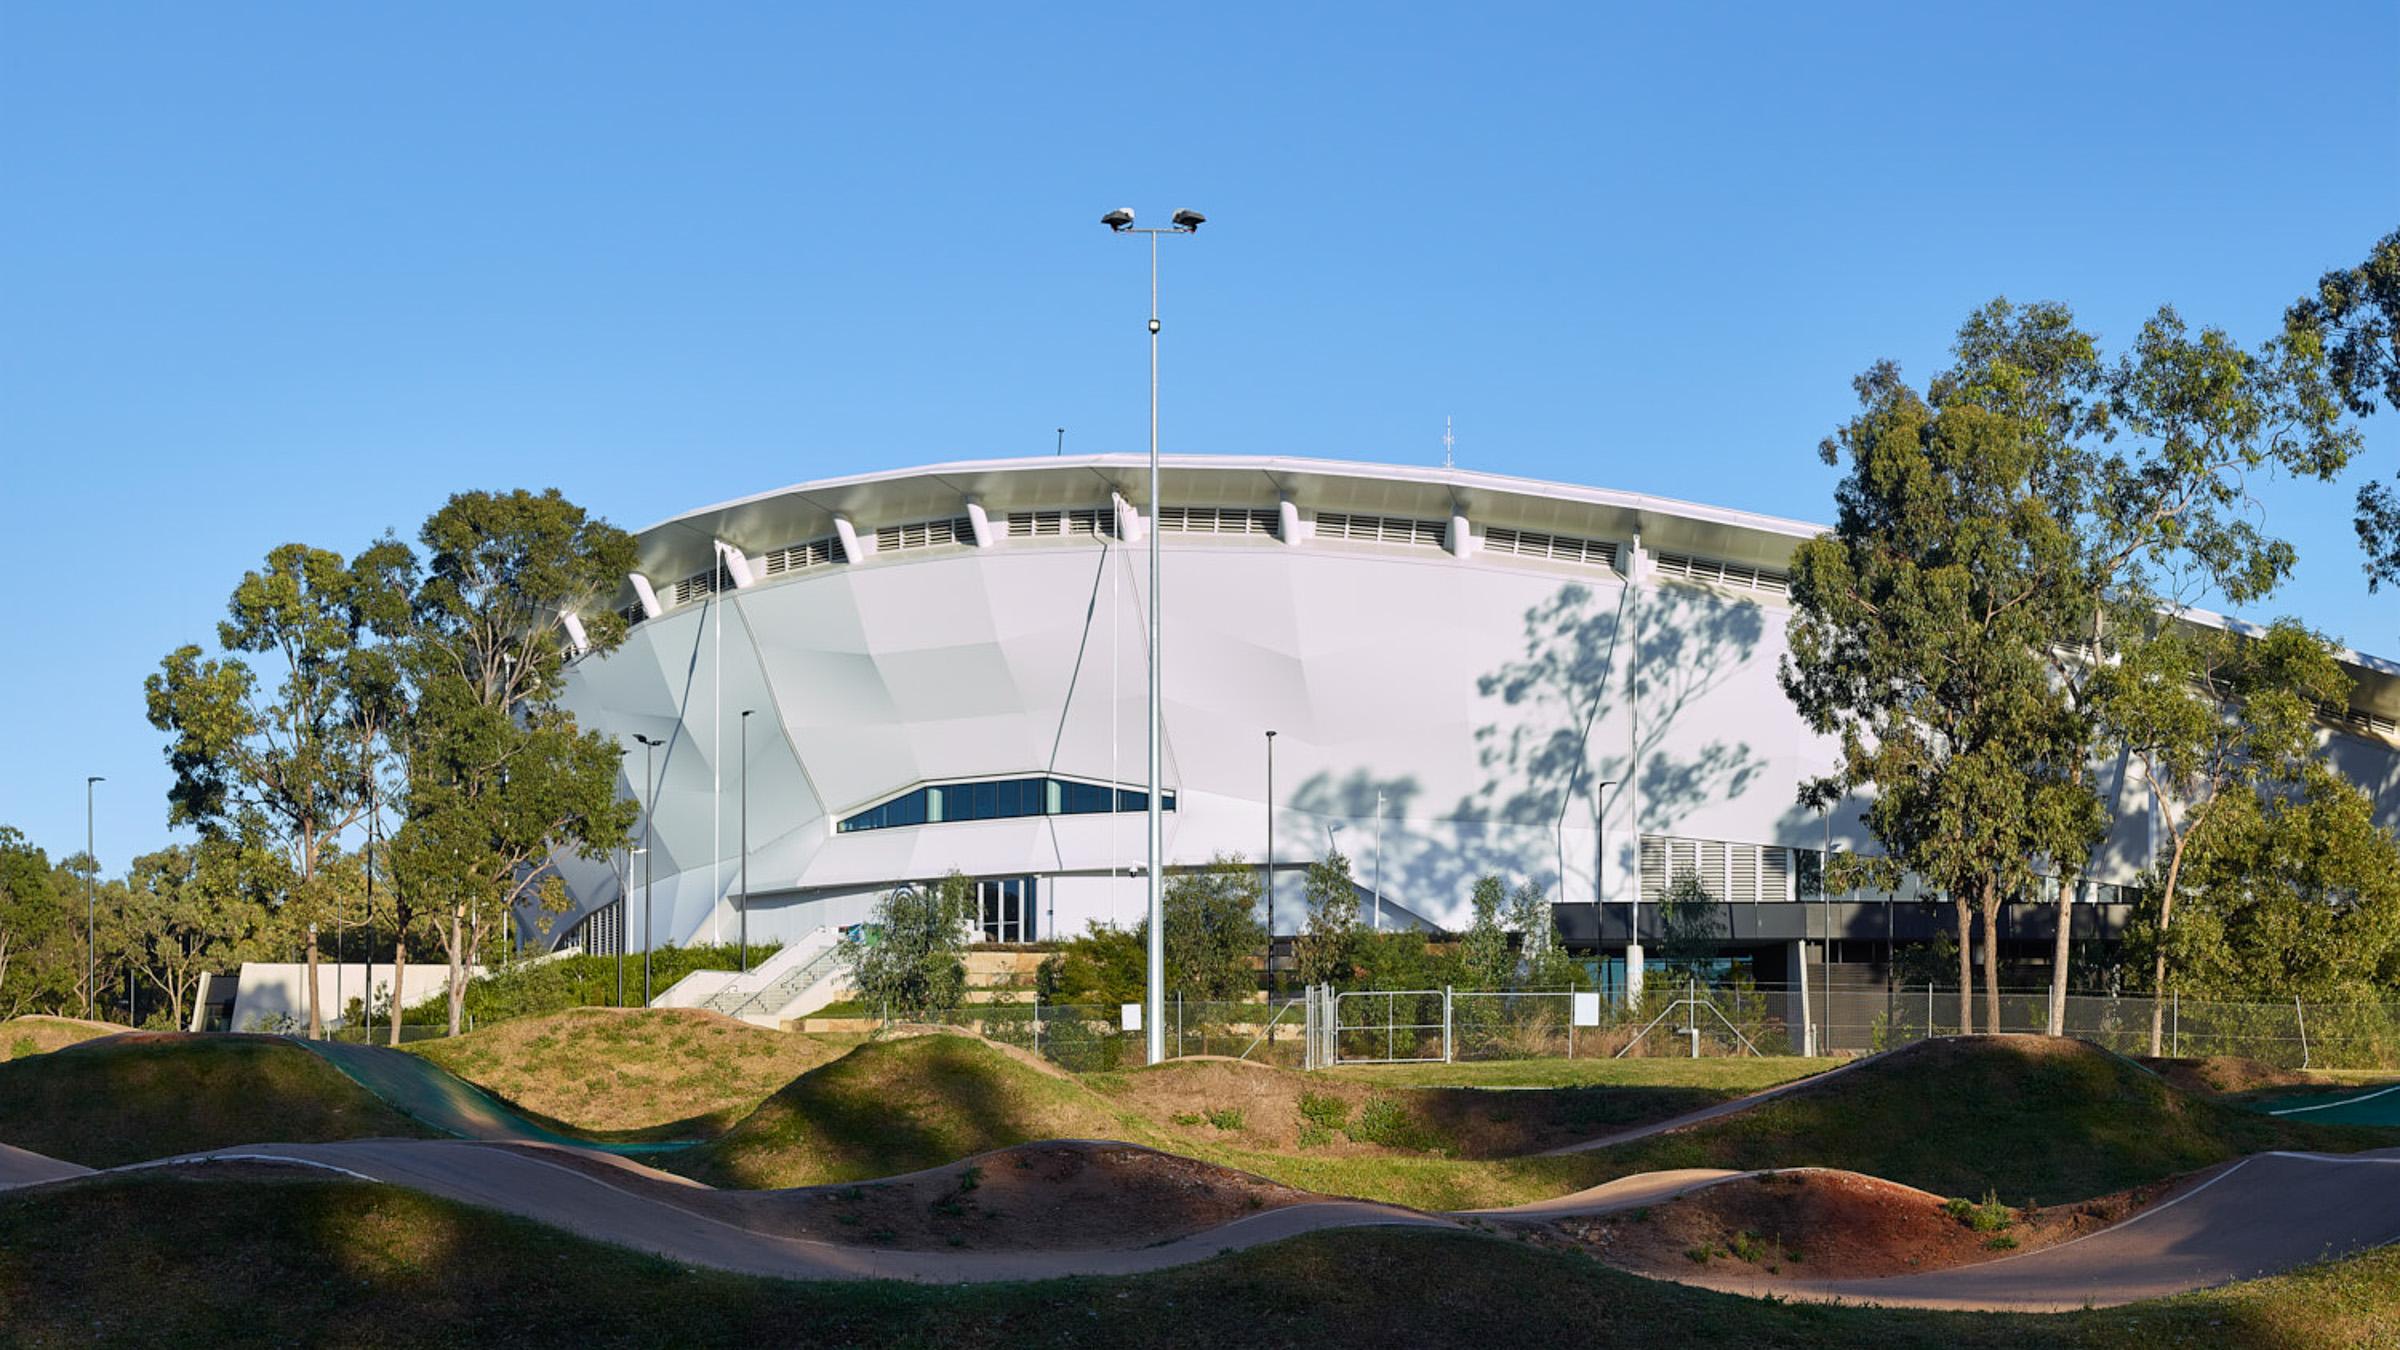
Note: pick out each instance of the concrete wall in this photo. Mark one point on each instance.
(268, 989)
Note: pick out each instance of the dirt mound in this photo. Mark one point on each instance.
(2223, 1075)
(1816, 1225)
(630, 1072)
(1055, 1195)
(897, 1106)
(148, 1095)
(39, 1034)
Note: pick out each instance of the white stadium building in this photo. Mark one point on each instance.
(883, 678)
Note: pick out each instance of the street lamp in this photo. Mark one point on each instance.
(1184, 221)
(91, 904)
(649, 810)
(745, 906)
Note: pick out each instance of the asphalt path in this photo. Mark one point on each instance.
(2262, 1215)
(425, 1091)
(2257, 1216)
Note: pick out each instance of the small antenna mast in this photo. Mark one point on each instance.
(1062, 443)
(1449, 442)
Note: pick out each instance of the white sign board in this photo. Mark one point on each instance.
(1587, 1009)
(1129, 1016)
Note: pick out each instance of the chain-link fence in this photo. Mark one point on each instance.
(1686, 1016)
(1090, 1037)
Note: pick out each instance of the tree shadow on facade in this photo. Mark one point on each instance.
(1572, 678)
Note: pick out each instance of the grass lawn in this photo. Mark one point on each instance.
(136, 1099)
(255, 1261)
(39, 1034)
(667, 1073)
(1723, 1075)
(2053, 1121)
(2034, 1119)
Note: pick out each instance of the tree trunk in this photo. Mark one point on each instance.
(1966, 966)
(2158, 967)
(1991, 957)
(316, 1018)
(458, 974)
(2060, 953)
(399, 981)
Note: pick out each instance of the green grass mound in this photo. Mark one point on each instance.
(289, 1262)
(2031, 1117)
(40, 1034)
(638, 1073)
(153, 1095)
(896, 1106)
(1255, 1107)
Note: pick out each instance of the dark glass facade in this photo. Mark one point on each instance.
(1006, 799)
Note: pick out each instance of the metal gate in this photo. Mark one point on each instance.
(1389, 1026)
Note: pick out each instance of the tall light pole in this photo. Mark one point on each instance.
(1379, 860)
(745, 909)
(649, 810)
(1185, 221)
(91, 905)
(1270, 860)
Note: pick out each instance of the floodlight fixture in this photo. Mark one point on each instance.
(1120, 219)
(1185, 218)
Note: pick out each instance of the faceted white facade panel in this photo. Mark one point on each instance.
(1518, 714)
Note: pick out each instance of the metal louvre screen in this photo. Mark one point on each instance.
(1382, 529)
(1218, 520)
(801, 557)
(1557, 547)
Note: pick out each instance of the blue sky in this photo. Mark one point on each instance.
(278, 272)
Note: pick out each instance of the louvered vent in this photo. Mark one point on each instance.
(1381, 529)
(632, 614)
(1742, 874)
(1718, 573)
(698, 586)
(801, 557)
(925, 534)
(1218, 520)
(1557, 547)
(1086, 521)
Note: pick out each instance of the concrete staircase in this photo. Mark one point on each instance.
(794, 982)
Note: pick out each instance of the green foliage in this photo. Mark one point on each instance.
(1213, 933)
(1988, 1216)
(913, 967)
(535, 988)
(1323, 1110)
(1226, 1118)
(1383, 1120)
(2347, 332)
(1748, 1247)
(1399, 960)
(1327, 952)
(1101, 967)
(1688, 927)
(1542, 960)
(1484, 959)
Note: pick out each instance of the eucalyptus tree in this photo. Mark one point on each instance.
(269, 752)
(1484, 957)
(2214, 722)
(500, 779)
(2351, 322)
(1213, 932)
(185, 910)
(1919, 639)
(1327, 949)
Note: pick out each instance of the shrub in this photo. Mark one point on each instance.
(1324, 1111)
(1226, 1118)
(1988, 1217)
(1386, 1122)
(1748, 1247)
